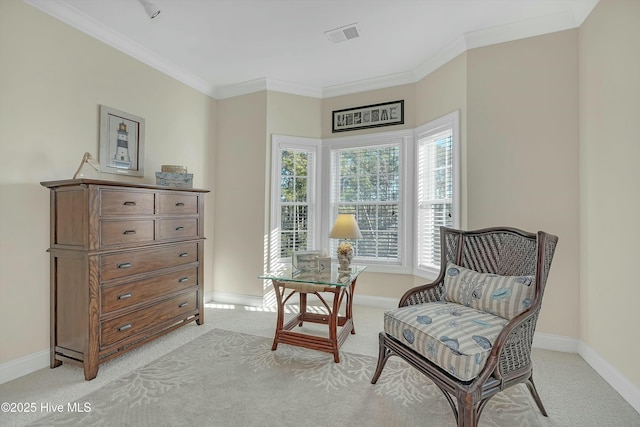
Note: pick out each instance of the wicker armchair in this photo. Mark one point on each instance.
(471, 330)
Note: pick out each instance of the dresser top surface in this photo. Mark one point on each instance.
(83, 181)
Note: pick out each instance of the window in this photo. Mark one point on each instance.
(368, 186)
(436, 188)
(367, 181)
(294, 195)
(295, 171)
(401, 186)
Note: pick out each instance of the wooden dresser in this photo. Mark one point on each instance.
(126, 267)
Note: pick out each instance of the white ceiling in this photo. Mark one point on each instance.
(228, 47)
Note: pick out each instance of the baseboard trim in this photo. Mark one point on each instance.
(555, 343)
(24, 365)
(630, 392)
(379, 302)
(227, 298)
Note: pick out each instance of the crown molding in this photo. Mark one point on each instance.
(520, 30)
(293, 88)
(263, 83)
(238, 89)
(531, 27)
(505, 33)
(369, 84)
(436, 61)
(82, 22)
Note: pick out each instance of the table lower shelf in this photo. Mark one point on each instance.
(314, 342)
(339, 326)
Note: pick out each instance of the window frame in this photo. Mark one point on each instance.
(405, 140)
(280, 143)
(324, 216)
(448, 121)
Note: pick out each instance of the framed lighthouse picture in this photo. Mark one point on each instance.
(121, 142)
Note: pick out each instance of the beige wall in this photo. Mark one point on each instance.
(51, 83)
(518, 106)
(437, 94)
(240, 194)
(609, 182)
(375, 284)
(293, 115)
(529, 110)
(440, 93)
(522, 139)
(246, 124)
(396, 93)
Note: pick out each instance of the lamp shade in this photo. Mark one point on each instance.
(345, 227)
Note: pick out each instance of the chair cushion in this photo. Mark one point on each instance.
(504, 296)
(454, 337)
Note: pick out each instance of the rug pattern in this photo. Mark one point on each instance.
(226, 378)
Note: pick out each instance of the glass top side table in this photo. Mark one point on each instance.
(341, 284)
(335, 277)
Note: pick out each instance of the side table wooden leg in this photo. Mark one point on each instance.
(303, 306)
(333, 324)
(349, 310)
(278, 289)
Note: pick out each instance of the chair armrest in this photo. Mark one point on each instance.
(431, 292)
(511, 355)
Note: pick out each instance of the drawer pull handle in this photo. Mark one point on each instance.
(125, 296)
(179, 204)
(124, 327)
(124, 265)
(129, 203)
(184, 254)
(179, 228)
(184, 304)
(127, 232)
(184, 279)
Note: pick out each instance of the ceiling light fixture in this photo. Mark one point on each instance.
(150, 7)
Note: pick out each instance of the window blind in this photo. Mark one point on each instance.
(434, 194)
(366, 183)
(296, 197)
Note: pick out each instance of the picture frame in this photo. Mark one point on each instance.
(305, 260)
(368, 116)
(121, 142)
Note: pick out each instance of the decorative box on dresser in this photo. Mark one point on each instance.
(126, 266)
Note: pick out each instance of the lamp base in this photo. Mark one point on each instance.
(345, 255)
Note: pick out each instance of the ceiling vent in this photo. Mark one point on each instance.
(342, 34)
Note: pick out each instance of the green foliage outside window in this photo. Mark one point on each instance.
(369, 188)
(294, 195)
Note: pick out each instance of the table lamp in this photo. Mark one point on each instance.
(345, 227)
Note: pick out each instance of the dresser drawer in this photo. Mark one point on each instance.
(128, 231)
(128, 294)
(121, 202)
(177, 228)
(121, 264)
(177, 204)
(122, 327)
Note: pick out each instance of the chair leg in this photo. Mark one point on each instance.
(532, 389)
(467, 416)
(383, 354)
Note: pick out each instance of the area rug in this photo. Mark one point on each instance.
(226, 378)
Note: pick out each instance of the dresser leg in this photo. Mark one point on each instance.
(90, 371)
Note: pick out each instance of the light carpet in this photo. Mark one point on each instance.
(226, 378)
(573, 393)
